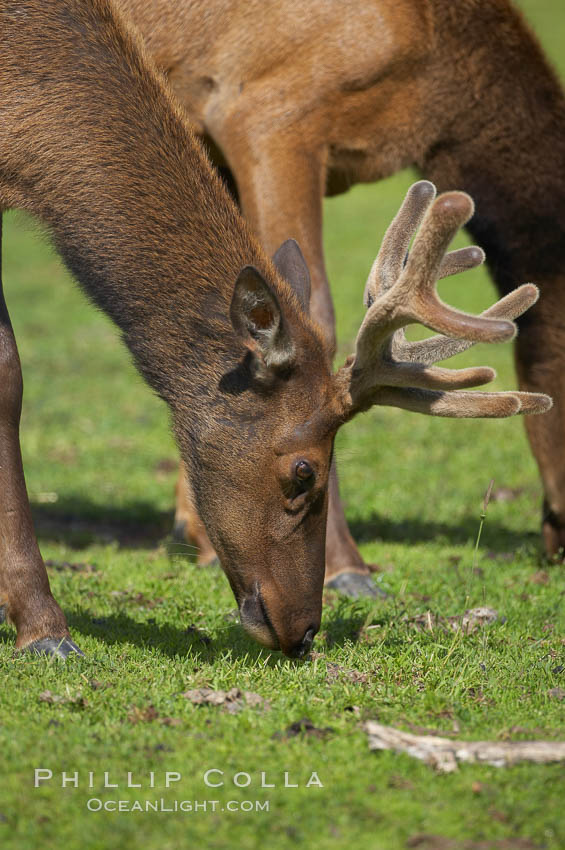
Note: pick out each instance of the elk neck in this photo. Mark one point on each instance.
(93, 144)
(501, 111)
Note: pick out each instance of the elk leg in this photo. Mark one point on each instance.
(188, 527)
(539, 363)
(278, 208)
(25, 594)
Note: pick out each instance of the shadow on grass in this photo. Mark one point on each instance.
(119, 628)
(496, 537)
(80, 522)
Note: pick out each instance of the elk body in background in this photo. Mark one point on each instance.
(302, 100)
(92, 143)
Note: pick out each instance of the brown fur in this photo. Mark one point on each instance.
(93, 144)
(353, 91)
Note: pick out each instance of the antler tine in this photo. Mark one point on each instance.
(413, 297)
(389, 262)
(417, 293)
(388, 370)
(462, 405)
(461, 261)
(440, 347)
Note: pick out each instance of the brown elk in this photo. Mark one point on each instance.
(354, 90)
(92, 143)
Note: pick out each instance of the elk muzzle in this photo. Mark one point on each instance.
(293, 634)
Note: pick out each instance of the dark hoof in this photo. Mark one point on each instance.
(177, 544)
(2, 613)
(57, 647)
(553, 532)
(213, 562)
(354, 585)
(177, 534)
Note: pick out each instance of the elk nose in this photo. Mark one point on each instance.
(303, 648)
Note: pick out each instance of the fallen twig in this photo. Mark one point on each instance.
(444, 753)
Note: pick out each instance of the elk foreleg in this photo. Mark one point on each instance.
(540, 353)
(25, 594)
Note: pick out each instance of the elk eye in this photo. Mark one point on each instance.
(298, 488)
(303, 471)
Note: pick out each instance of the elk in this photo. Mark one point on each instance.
(93, 144)
(352, 92)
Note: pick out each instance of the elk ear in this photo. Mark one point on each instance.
(257, 318)
(290, 264)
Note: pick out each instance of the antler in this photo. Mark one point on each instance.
(401, 290)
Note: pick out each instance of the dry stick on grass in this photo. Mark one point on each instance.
(444, 753)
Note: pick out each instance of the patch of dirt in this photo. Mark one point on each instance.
(335, 672)
(137, 598)
(232, 701)
(99, 686)
(75, 699)
(556, 693)
(149, 714)
(142, 715)
(541, 577)
(478, 696)
(302, 727)
(470, 621)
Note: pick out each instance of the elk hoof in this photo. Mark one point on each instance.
(2, 613)
(553, 530)
(354, 585)
(56, 647)
(177, 534)
(213, 562)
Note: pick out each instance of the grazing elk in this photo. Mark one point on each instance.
(354, 90)
(92, 143)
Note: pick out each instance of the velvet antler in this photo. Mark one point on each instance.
(401, 290)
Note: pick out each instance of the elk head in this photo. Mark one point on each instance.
(268, 520)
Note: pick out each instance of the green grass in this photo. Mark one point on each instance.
(100, 470)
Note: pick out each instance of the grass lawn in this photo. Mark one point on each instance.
(100, 466)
